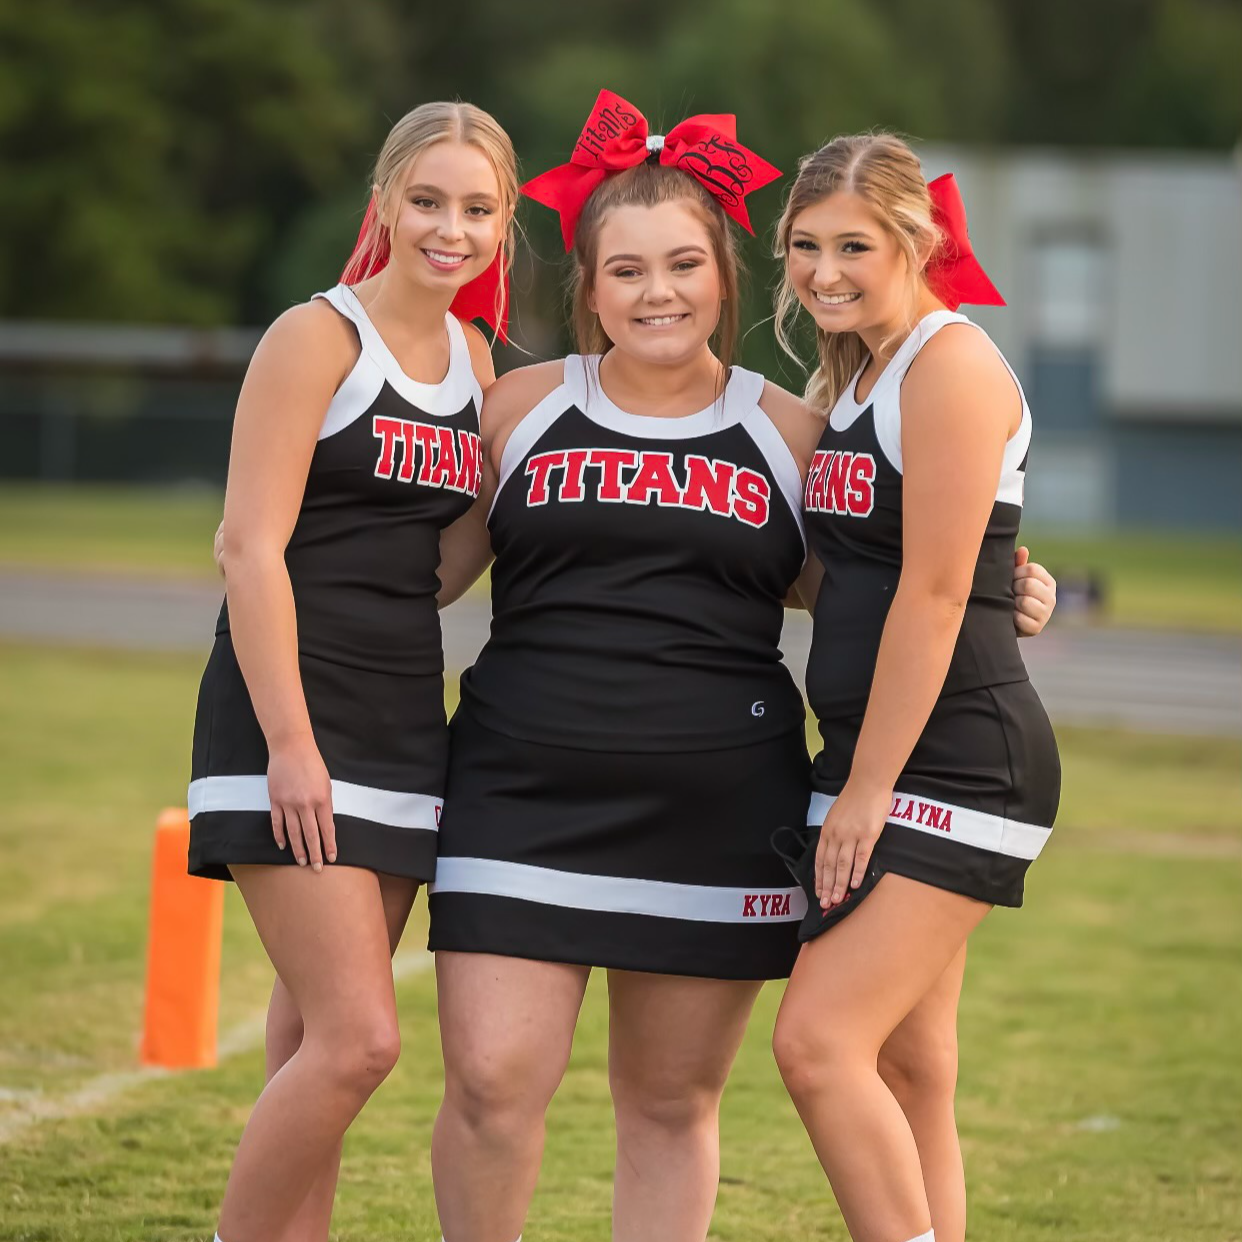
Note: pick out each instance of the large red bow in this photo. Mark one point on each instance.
(955, 275)
(474, 300)
(616, 137)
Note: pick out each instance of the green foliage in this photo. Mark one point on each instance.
(205, 161)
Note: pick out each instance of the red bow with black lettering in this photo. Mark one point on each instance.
(616, 137)
(955, 275)
(474, 300)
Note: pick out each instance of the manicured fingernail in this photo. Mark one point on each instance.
(280, 845)
(332, 858)
(301, 862)
(317, 866)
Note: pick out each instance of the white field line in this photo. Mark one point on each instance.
(33, 1108)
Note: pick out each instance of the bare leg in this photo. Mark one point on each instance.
(918, 1062)
(284, 1036)
(327, 937)
(849, 991)
(506, 1026)
(671, 1044)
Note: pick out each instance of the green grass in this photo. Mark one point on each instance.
(1101, 1092)
(1153, 579)
(106, 529)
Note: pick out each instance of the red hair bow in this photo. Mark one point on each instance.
(475, 300)
(615, 137)
(955, 275)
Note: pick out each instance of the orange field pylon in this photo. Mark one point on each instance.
(183, 954)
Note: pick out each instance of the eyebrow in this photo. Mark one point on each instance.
(672, 254)
(837, 236)
(439, 193)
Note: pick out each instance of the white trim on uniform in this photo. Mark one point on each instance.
(951, 823)
(722, 413)
(771, 444)
(884, 400)
(380, 806)
(439, 400)
(527, 433)
(613, 894)
(354, 397)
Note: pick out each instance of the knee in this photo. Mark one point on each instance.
(494, 1095)
(674, 1105)
(921, 1067)
(807, 1055)
(364, 1052)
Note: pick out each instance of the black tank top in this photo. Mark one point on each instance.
(396, 462)
(641, 568)
(853, 508)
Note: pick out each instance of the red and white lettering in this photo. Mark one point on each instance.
(445, 471)
(445, 458)
(572, 489)
(840, 483)
(386, 430)
(751, 497)
(748, 905)
(709, 484)
(538, 468)
(655, 476)
(611, 462)
(471, 448)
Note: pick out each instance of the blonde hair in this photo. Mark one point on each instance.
(885, 173)
(419, 129)
(648, 185)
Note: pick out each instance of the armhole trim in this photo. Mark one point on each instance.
(771, 444)
(528, 432)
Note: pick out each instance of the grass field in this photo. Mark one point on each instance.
(1152, 579)
(1101, 1093)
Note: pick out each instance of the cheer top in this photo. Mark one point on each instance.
(396, 461)
(641, 568)
(853, 512)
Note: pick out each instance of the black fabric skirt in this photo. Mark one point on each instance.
(384, 741)
(976, 802)
(648, 862)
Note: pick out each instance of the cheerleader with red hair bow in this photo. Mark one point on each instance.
(629, 739)
(938, 781)
(320, 739)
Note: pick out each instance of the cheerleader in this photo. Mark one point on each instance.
(320, 739)
(939, 779)
(629, 738)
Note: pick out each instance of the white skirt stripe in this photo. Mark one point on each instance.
(952, 823)
(380, 806)
(613, 894)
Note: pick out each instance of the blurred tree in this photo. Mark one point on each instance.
(208, 160)
(152, 153)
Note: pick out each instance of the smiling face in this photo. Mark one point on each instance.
(446, 223)
(847, 269)
(656, 286)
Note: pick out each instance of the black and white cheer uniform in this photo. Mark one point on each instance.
(629, 739)
(396, 461)
(976, 800)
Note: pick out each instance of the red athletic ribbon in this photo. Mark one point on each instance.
(616, 137)
(474, 300)
(955, 275)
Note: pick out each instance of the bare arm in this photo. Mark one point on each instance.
(296, 369)
(465, 547)
(959, 408)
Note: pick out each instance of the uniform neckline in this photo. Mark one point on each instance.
(600, 408)
(441, 399)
